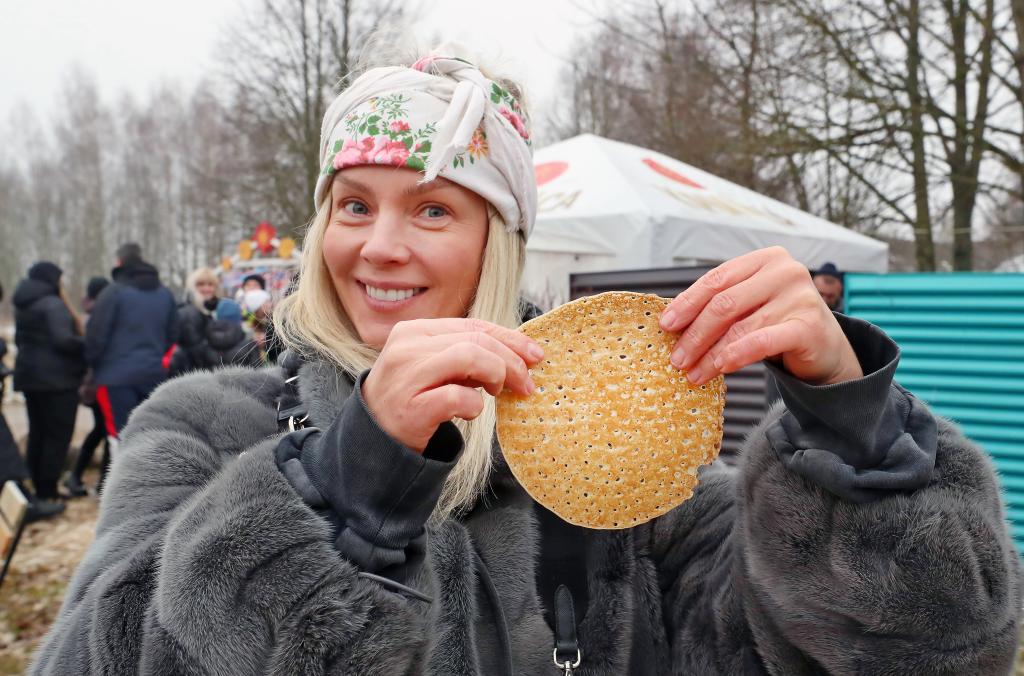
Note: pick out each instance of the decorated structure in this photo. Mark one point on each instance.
(274, 258)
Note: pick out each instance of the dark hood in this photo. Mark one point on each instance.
(224, 335)
(31, 290)
(141, 275)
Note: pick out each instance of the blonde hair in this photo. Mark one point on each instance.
(201, 275)
(76, 318)
(313, 322)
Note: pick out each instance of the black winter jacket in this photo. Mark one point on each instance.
(192, 323)
(859, 535)
(50, 356)
(131, 328)
(226, 344)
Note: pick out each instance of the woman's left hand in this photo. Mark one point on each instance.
(762, 305)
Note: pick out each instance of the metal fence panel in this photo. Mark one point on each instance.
(962, 342)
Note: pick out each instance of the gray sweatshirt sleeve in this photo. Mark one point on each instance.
(376, 492)
(206, 560)
(860, 535)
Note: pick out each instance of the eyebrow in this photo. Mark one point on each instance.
(438, 183)
(353, 184)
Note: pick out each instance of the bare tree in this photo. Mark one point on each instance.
(284, 64)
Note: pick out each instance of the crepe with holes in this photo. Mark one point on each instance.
(613, 435)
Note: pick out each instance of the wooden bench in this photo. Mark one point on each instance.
(13, 507)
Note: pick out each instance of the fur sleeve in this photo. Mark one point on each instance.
(206, 560)
(763, 568)
(922, 582)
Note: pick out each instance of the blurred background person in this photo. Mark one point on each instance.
(829, 282)
(253, 283)
(227, 343)
(257, 306)
(12, 465)
(132, 329)
(202, 287)
(87, 396)
(48, 370)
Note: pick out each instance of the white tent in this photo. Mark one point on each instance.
(605, 205)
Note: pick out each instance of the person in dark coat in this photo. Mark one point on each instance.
(12, 465)
(131, 331)
(193, 317)
(353, 513)
(829, 283)
(87, 394)
(226, 342)
(48, 370)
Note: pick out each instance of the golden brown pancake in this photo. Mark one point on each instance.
(614, 434)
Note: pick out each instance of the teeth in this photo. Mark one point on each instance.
(391, 295)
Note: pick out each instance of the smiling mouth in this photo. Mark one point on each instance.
(391, 295)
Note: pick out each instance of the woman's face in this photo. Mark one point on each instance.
(205, 289)
(398, 250)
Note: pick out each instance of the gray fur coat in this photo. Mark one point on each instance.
(207, 561)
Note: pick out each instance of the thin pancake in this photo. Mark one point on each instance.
(613, 436)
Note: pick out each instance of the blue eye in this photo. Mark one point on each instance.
(356, 208)
(435, 212)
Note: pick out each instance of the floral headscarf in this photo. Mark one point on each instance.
(441, 117)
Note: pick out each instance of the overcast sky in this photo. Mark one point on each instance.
(132, 44)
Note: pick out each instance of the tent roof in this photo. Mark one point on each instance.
(602, 196)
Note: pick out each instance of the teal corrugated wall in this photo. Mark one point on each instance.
(962, 337)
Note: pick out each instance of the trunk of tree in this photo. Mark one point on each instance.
(924, 245)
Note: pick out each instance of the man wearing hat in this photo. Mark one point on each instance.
(829, 282)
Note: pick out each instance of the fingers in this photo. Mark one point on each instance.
(449, 401)
(719, 314)
(463, 363)
(750, 345)
(517, 375)
(527, 348)
(687, 305)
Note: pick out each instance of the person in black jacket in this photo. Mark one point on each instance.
(130, 332)
(48, 370)
(194, 317)
(226, 342)
(12, 465)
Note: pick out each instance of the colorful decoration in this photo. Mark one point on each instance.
(264, 237)
(286, 247)
(245, 249)
(225, 263)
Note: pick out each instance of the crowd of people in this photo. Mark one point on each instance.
(128, 336)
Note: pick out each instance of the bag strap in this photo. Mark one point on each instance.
(567, 655)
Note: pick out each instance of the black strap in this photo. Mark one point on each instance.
(567, 648)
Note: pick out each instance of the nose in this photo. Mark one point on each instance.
(386, 242)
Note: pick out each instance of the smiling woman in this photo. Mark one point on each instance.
(351, 512)
(399, 249)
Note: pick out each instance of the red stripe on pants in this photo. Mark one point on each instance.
(103, 399)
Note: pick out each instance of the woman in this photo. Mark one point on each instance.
(87, 396)
(193, 318)
(860, 534)
(48, 370)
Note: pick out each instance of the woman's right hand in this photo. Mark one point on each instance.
(429, 370)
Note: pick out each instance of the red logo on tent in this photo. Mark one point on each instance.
(549, 171)
(669, 173)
